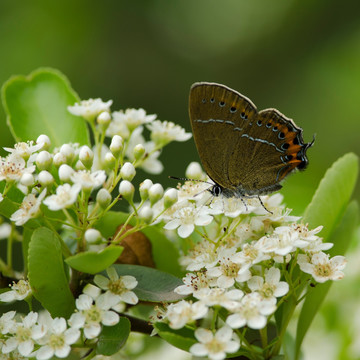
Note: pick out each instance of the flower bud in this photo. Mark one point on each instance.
(170, 197)
(92, 235)
(127, 171)
(27, 180)
(126, 190)
(104, 119)
(156, 192)
(80, 166)
(65, 172)
(146, 214)
(139, 151)
(86, 156)
(109, 160)
(194, 171)
(144, 188)
(116, 145)
(45, 178)
(103, 197)
(69, 153)
(59, 159)
(43, 160)
(45, 140)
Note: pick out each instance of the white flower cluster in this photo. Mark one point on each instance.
(42, 337)
(240, 262)
(65, 177)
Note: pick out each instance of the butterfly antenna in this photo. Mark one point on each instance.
(187, 179)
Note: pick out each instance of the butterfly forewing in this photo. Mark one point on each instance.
(241, 149)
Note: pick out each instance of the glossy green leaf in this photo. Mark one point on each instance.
(37, 104)
(153, 285)
(112, 338)
(47, 275)
(332, 195)
(165, 254)
(182, 339)
(92, 262)
(341, 237)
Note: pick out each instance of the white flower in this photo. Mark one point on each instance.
(5, 230)
(203, 255)
(305, 233)
(90, 315)
(229, 299)
(57, 340)
(183, 312)
(13, 167)
(317, 245)
(89, 109)
(194, 282)
(321, 267)
(251, 311)
(195, 190)
(118, 287)
(150, 162)
(132, 118)
(65, 196)
(272, 287)
(24, 335)
(163, 132)
(7, 322)
(20, 291)
(282, 241)
(185, 219)
(24, 149)
(230, 207)
(89, 180)
(250, 254)
(29, 208)
(214, 346)
(228, 271)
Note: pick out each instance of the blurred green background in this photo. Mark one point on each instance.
(299, 56)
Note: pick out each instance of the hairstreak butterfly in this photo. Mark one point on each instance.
(245, 152)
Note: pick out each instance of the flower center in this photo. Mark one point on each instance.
(93, 315)
(323, 270)
(117, 286)
(267, 290)
(56, 341)
(23, 334)
(215, 346)
(230, 269)
(187, 215)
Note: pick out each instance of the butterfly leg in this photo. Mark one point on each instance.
(262, 204)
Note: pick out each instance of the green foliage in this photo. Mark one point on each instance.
(112, 338)
(161, 245)
(92, 262)
(153, 285)
(37, 104)
(183, 338)
(47, 274)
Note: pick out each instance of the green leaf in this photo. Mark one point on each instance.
(183, 338)
(341, 237)
(37, 104)
(92, 262)
(160, 243)
(112, 338)
(153, 285)
(333, 194)
(47, 275)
